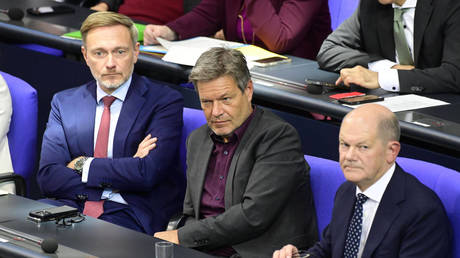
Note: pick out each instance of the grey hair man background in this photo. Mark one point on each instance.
(248, 188)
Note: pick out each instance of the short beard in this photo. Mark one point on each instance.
(112, 85)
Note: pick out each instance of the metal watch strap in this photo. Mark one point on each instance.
(79, 165)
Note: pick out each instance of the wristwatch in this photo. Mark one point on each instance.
(79, 165)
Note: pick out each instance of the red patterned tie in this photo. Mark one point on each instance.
(96, 208)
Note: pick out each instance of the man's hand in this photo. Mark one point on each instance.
(151, 33)
(71, 164)
(170, 235)
(403, 67)
(360, 76)
(100, 7)
(146, 146)
(287, 251)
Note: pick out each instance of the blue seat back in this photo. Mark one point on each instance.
(325, 177)
(22, 136)
(193, 118)
(340, 10)
(446, 183)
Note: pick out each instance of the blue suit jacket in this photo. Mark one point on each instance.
(410, 222)
(153, 186)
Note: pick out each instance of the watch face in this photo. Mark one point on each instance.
(79, 165)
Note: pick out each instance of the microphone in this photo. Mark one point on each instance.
(49, 245)
(314, 89)
(15, 14)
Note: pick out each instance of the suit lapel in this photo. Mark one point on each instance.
(343, 212)
(233, 166)
(387, 212)
(202, 161)
(385, 32)
(132, 105)
(85, 116)
(423, 12)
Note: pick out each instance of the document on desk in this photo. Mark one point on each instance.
(187, 51)
(407, 102)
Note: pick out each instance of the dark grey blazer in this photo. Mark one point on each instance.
(367, 36)
(268, 199)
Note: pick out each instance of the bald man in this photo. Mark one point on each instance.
(380, 211)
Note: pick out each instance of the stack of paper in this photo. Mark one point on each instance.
(187, 51)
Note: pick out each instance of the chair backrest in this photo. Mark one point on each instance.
(340, 10)
(22, 136)
(445, 183)
(325, 177)
(193, 118)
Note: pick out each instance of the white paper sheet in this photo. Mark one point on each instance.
(407, 102)
(187, 51)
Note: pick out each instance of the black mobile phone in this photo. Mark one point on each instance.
(271, 61)
(53, 213)
(45, 10)
(360, 99)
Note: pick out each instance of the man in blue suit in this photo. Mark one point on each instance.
(381, 211)
(111, 146)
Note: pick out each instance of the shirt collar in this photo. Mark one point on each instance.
(375, 192)
(119, 93)
(407, 4)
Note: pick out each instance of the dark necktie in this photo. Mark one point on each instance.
(355, 228)
(402, 48)
(96, 208)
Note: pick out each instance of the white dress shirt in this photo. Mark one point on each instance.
(388, 78)
(6, 111)
(374, 193)
(115, 109)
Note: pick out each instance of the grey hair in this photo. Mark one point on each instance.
(389, 128)
(218, 62)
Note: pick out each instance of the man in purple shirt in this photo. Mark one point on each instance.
(248, 187)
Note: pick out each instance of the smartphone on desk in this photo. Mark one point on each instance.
(271, 61)
(53, 213)
(45, 10)
(360, 99)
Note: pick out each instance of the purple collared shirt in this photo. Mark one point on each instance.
(212, 198)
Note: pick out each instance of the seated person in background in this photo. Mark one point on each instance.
(151, 11)
(111, 146)
(409, 46)
(295, 27)
(248, 187)
(6, 110)
(381, 211)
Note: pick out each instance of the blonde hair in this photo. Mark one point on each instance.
(103, 19)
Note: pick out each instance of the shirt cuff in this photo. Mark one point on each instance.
(389, 80)
(84, 174)
(381, 65)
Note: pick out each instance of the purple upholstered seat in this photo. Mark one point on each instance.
(340, 10)
(22, 136)
(193, 118)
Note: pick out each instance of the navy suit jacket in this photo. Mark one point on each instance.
(410, 222)
(152, 186)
